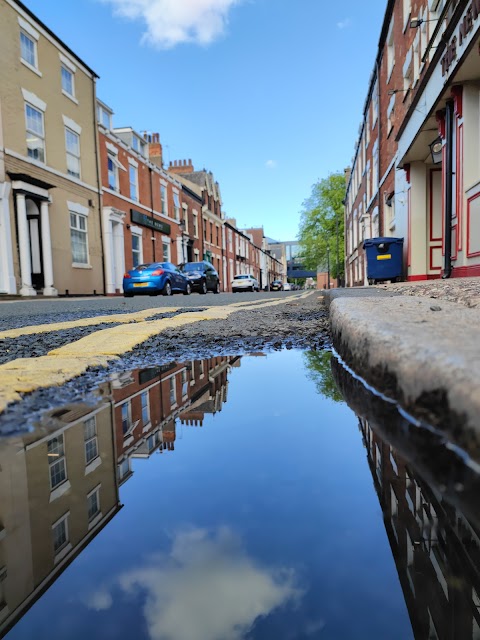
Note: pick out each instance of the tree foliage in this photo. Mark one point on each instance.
(319, 370)
(322, 225)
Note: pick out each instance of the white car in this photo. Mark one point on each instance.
(245, 282)
(287, 286)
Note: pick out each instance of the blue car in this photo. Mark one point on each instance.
(155, 278)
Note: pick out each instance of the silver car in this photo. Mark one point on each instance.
(245, 282)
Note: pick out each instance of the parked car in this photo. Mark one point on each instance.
(245, 282)
(202, 276)
(287, 286)
(276, 285)
(155, 278)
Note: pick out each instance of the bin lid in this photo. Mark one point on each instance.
(373, 242)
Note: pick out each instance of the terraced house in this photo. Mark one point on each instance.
(50, 237)
(416, 167)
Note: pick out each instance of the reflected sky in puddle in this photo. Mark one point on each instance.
(229, 498)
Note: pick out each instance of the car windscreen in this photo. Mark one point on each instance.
(191, 266)
(154, 265)
(246, 277)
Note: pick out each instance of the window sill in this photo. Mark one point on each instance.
(94, 464)
(70, 97)
(173, 406)
(31, 67)
(60, 490)
(93, 523)
(64, 552)
(147, 427)
(78, 265)
(127, 441)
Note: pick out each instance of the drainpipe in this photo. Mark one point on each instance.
(381, 230)
(151, 207)
(449, 117)
(99, 181)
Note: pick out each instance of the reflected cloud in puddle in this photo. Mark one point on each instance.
(206, 587)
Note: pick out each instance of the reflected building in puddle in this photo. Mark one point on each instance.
(58, 489)
(59, 484)
(148, 402)
(435, 547)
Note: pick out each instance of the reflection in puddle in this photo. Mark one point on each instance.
(206, 587)
(264, 524)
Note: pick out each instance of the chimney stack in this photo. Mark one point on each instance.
(181, 166)
(155, 149)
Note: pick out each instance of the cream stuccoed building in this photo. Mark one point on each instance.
(50, 236)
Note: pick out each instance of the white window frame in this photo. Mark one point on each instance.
(115, 184)
(66, 92)
(101, 112)
(94, 492)
(390, 50)
(184, 384)
(91, 439)
(176, 206)
(76, 215)
(74, 157)
(375, 104)
(133, 184)
(195, 224)
(164, 199)
(407, 10)
(145, 407)
(63, 519)
(56, 459)
(35, 133)
(138, 236)
(28, 32)
(166, 244)
(173, 390)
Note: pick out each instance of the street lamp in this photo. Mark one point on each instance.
(328, 267)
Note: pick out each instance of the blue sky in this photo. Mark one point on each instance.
(267, 94)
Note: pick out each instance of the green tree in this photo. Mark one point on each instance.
(319, 371)
(322, 225)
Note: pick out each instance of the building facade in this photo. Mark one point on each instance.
(142, 207)
(50, 234)
(415, 169)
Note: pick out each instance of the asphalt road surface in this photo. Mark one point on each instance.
(22, 313)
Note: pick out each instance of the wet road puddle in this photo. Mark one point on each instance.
(234, 498)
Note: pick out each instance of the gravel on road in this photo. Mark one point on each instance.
(464, 291)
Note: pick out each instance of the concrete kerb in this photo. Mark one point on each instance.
(421, 352)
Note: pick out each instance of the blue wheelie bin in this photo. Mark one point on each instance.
(384, 259)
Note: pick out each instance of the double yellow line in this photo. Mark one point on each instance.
(25, 375)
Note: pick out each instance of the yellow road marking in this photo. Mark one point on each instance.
(60, 365)
(137, 316)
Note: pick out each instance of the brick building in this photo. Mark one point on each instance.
(415, 169)
(142, 207)
(211, 221)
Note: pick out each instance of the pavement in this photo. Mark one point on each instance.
(417, 343)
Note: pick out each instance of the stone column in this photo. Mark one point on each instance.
(48, 289)
(26, 288)
(108, 251)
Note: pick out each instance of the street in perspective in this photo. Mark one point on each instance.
(255, 425)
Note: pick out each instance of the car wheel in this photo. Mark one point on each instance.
(128, 295)
(188, 290)
(203, 287)
(217, 288)
(167, 289)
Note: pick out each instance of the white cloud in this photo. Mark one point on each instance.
(207, 587)
(344, 24)
(172, 22)
(271, 164)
